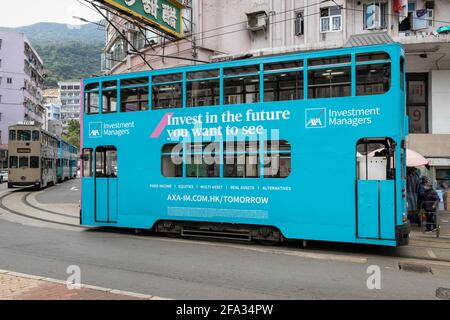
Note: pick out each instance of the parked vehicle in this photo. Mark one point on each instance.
(3, 176)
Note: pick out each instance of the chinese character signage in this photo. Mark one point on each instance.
(165, 15)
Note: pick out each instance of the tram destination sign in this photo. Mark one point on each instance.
(164, 15)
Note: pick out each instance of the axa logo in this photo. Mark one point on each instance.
(95, 130)
(316, 118)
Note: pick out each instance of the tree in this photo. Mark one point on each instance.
(73, 133)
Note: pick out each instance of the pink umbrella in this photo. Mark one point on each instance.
(413, 158)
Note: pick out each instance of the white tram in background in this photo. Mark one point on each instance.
(32, 154)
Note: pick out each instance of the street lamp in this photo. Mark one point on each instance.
(85, 20)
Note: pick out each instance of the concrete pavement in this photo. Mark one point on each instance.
(17, 286)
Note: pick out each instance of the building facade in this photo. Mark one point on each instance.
(69, 95)
(220, 30)
(21, 82)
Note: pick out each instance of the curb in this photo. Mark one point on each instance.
(84, 286)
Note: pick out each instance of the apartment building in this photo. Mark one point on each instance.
(69, 95)
(21, 82)
(221, 30)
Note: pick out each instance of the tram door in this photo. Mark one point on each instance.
(106, 184)
(375, 189)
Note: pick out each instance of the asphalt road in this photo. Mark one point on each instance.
(191, 269)
(66, 192)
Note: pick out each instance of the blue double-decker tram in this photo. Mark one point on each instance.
(304, 146)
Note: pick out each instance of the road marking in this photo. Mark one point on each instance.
(85, 286)
(74, 189)
(310, 255)
(431, 253)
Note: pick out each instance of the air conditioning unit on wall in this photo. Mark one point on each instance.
(257, 21)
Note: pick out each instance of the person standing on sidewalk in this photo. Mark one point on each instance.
(430, 205)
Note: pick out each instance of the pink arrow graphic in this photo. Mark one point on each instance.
(161, 125)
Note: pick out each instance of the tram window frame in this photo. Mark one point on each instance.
(34, 162)
(171, 152)
(23, 131)
(173, 83)
(320, 68)
(281, 150)
(21, 164)
(87, 162)
(237, 83)
(203, 88)
(137, 101)
(89, 97)
(367, 146)
(35, 135)
(373, 73)
(12, 134)
(332, 89)
(109, 100)
(245, 157)
(105, 167)
(13, 162)
(284, 69)
(198, 156)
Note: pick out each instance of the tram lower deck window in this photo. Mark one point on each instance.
(13, 162)
(172, 160)
(23, 162)
(240, 159)
(87, 162)
(34, 162)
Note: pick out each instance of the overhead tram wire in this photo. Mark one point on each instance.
(124, 37)
(205, 37)
(245, 29)
(170, 57)
(221, 27)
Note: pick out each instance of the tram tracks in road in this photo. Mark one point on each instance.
(24, 201)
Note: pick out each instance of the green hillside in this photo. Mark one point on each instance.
(69, 52)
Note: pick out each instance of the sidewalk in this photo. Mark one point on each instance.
(16, 286)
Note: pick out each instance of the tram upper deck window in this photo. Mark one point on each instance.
(23, 135)
(329, 77)
(283, 81)
(91, 98)
(109, 96)
(167, 91)
(373, 73)
(241, 84)
(134, 94)
(203, 88)
(35, 135)
(134, 99)
(12, 135)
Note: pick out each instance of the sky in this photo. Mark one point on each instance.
(16, 13)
